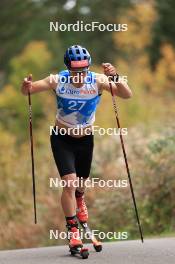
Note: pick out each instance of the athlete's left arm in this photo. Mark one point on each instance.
(120, 88)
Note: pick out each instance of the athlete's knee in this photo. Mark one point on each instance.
(69, 182)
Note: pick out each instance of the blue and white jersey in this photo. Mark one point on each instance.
(76, 107)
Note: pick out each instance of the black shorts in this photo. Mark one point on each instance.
(72, 155)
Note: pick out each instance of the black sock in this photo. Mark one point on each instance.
(71, 218)
(71, 223)
(78, 194)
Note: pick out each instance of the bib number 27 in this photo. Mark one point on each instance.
(76, 105)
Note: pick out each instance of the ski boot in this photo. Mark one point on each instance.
(75, 243)
(82, 212)
(82, 215)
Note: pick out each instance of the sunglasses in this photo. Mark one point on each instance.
(80, 71)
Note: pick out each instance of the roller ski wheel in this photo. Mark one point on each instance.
(97, 247)
(84, 253)
(79, 250)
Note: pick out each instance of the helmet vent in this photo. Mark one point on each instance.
(77, 51)
(84, 51)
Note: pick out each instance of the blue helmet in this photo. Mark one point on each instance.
(77, 57)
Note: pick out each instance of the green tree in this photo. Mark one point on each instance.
(36, 59)
(163, 30)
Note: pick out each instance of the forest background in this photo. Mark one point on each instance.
(145, 53)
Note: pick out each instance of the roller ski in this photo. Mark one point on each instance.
(79, 250)
(97, 244)
(82, 215)
(75, 243)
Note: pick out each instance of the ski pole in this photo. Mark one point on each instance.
(32, 151)
(126, 162)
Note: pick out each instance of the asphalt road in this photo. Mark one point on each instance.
(153, 251)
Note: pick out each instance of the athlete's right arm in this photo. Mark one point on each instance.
(38, 86)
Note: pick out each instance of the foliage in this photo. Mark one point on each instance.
(149, 116)
(163, 30)
(151, 162)
(13, 105)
